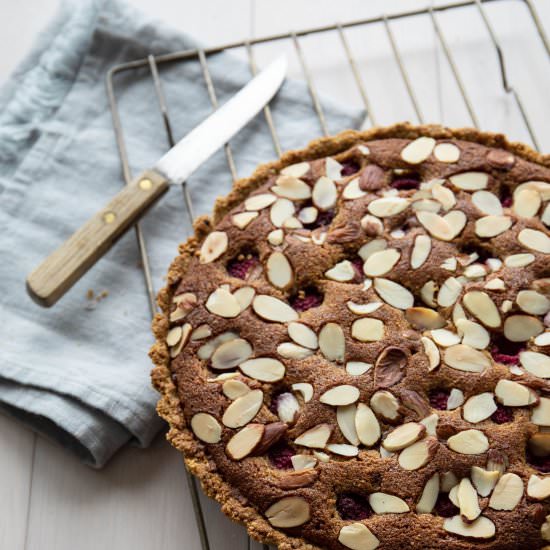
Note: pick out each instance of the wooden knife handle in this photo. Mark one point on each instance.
(61, 269)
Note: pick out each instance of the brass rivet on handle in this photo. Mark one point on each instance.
(145, 184)
(109, 217)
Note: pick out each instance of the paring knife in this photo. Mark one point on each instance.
(60, 271)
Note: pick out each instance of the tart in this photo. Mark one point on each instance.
(353, 351)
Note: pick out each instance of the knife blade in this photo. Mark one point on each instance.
(64, 267)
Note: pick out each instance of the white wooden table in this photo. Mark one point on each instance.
(48, 500)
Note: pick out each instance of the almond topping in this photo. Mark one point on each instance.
(303, 335)
(535, 363)
(479, 407)
(387, 206)
(363, 309)
(481, 306)
(279, 271)
(424, 318)
(481, 528)
(241, 411)
(526, 203)
(324, 194)
(276, 237)
(390, 367)
(333, 169)
(366, 425)
(332, 342)
(288, 408)
(230, 354)
(357, 368)
(264, 369)
(533, 302)
(429, 496)
(513, 394)
(470, 181)
(445, 228)
(467, 499)
(352, 190)
(259, 202)
(308, 214)
(535, 240)
(519, 260)
(491, 226)
(340, 395)
(315, 437)
(385, 404)
(403, 436)
(367, 330)
(244, 441)
(473, 335)
(484, 480)
(487, 202)
(420, 251)
(446, 152)
(541, 413)
(273, 309)
(427, 293)
(357, 537)
(465, 358)
(432, 352)
(379, 263)
(291, 188)
(303, 462)
(222, 303)
(418, 454)
(538, 487)
(206, 350)
(449, 292)
(469, 442)
(296, 170)
(234, 388)
(418, 151)
(456, 399)
(345, 417)
(213, 247)
(206, 428)
(444, 337)
(305, 389)
(294, 480)
(288, 512)
(341, 272)
(507, 493)
(382, 503)
(289, 350)
(280, 211)
(343, 449)
(393, 294)
(520, 328)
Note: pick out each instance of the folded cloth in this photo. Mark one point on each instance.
(79, 373)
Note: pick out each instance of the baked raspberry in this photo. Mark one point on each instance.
(506, 352)
(353, 506)
(241, 266)
(357, 264)
(438, 399)
(406, 182)
(541, 463)
(306, 299)
(506, 198)
(280, 455)
(502, 415)
(444, 507)
(349, 167)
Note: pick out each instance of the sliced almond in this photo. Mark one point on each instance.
(495, 284)
(305, 389)
(379, 263)
(446, 152)
(475, 271)
(432, 352)
(241, 411)
(466, 358)
(259, 202)
(526, 203)
(390, 367)
(481, 528)
(234, 388)
(222, 303)
(469, 442)
(201, 332)
(371, 247)
(448, 482)
(206, 428)
(429, 495)
(230, 354)
(264, 369)
(467, 499)
(332, 342)
(173, 336)
(444, 228)
(333, 169)
(213, 247)
(473, 334)
(538, 487)
(513, 394)
(303, 462)
(535, 363)
(533, 302)
(288, 512)
(341, 272)
(484, 480)
(420, 251)
(296, 170)
(279, 270)
(340, 395)
(418, 151)
(315, 438)
(444, 195)
(324, 194)
(206, 350)
(244, 441)
(367, 330)
(280, 211)
(345, 417)
(387, 206)
(491, 226)
(470, 181)
(372, 225)
(449, 264)
(289, 350)
(343, 449)
(383, 503)
(424, 318)
(444, 337)
(545, 218)
(357, 536)
(288, 407)
(418, 454)
(479, 407)
(366, 425)
(363, 309)
(455, 400)
(540, 415)
(507, 493)
(427, 293)
(308, 214)
(273, 309)
(431, 422)
(487, 202)
(520, 328)
(449, 292)
(535, 240)
(543, 339)
(426, 204)
(276, 237)
(242, 219)
(303, 335)
(481, 306)
(352, 190)
(393, 294)
(357, 368)
(519, 260)
(385, 404)
(290, 187)
(403, 436)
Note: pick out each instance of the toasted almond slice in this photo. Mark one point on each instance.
(470, 181)
(303, 335)
(545, 218)
(296, 170)
(303, 462)
(494, 264)
(444, 228)
(480, 304)
(357, 368)
(385, 404)
(345, 417)
(484, 480)
(288, 512)
(273, 309)
(421, 250)
(432, 351)
(507, 492)
(241, 411)
(291, 188)
(244, 441)
(424, 318)
(403, 436)
(467, 499)
(533, 302)
(444, 337)
(280, 211)
(429, 495)
(449, 292)
(276, 237)
(458, 313)
(538, 487)
(363, 309)
(222, 303)
(393, 294)
(213, 247)
(387, 206)
(447, 152)
(542, 187)
(449, 264)
(469, 442)
(332, 342)
(418, 151)
(431, 422)
(520, 328)
(383, 503)
(473, 334)
(379, 263)
(242, 219)
(513, 394)
(455, 400)
(466, 358)
(352, 190)
(343, 449)
(289, 350)
(260, 201)
(535, 363)
(444, 195)
(230, 354)
(448, 482)
(487, 202)
(535, 240)
(481, 528)
(418, 454)
(279, 270)
(201, 332)
(526, 202)
(340, 395)
(367, 425)
(540, 415)
(341, 272)
(357, 536)
(543, 340)
(305, 389)
(315, 438)
(372, 225)
(288, 407)
(427, 205)
(367, 330)
(371, 247)
(333, 169)
(491, 226)
(264, 369)
(519, 260)
(479, 407)
(308, 214)
(206, 350)
(234, 388)
(206, 428)
(324, 194)
(427, 293)
(173, 336)
(475, 271)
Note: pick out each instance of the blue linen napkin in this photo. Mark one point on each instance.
(79, 373)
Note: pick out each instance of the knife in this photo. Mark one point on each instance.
(64, 267)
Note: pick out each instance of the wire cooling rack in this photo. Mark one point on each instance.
(295, 37)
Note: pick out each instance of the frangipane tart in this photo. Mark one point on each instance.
(353, 352)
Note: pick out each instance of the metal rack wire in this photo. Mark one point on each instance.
(201, 55)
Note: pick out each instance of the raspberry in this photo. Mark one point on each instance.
(306, 299)
(352, 506)
(444, 507)
(541, 463)
(406, 183)
(502, 415)
(504, 358)
(240, 268)
(323, 220)
(438, 399)
(349, 167)
(280, 455)
(506, 352)
(357, 264)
